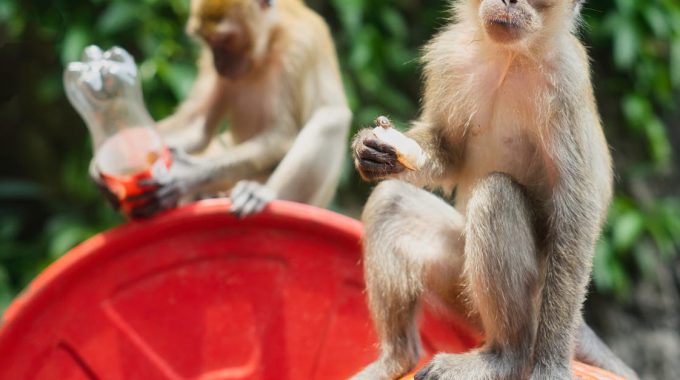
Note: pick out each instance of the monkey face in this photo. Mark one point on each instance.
(233, 30)
(513, 21)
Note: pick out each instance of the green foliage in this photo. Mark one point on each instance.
(645, 40)
(47, 203)
(640, 40)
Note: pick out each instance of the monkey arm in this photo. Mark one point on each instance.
(379, 160)
(310, 171)
(256, 155)
(195, 123)
(439, 157)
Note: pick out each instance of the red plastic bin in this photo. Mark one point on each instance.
(198, 294)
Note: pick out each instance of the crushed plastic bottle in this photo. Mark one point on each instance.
(104, 88)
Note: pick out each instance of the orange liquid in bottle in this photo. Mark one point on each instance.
(129, 156)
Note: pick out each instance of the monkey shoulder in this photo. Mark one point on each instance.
(307, 35)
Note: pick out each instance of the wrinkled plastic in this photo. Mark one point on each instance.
(104, 88)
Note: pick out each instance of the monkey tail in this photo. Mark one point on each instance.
(590, 349)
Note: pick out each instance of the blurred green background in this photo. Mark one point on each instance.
(48, 205)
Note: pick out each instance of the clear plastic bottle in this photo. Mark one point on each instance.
(104, 88)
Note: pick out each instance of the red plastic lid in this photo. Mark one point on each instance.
(198, 294)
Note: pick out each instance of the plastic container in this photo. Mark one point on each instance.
(104, 88)
(197, 294)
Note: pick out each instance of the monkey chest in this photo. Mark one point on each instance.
(247, 119)
(503, 136)
(252, 109)
(508, 150)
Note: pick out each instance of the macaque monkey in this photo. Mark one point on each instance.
(269, 68)
(509, 120)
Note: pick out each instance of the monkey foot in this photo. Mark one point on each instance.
(470, 366)
(249, 197)
(380, 370)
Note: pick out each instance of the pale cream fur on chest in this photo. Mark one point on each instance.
(249, 113)
(502, 129)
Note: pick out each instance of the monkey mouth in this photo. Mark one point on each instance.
(505, 28)
(505, 22)
(229, 64)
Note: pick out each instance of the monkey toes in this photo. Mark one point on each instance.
(374, 159)
(470, 366)
(249, 197)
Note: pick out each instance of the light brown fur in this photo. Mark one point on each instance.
(276, 82)
(509, 120)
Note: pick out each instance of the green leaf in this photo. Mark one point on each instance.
(10, 226)
(6, 291)
(656, 20)
(395, 23)
(7, 10)
(626, 230)
(637, 109)
(180, 78)
(626, 45)
(75, 41)
(627, 7)
(620, 279)
(65, 234)
(658, 141)
(601, 277)
(119, 16)
(675, 61)
(351, 15)
(646, 258)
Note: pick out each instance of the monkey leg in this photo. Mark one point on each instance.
(502, 273)
(407, 232)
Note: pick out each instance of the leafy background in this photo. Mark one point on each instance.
(48, 205)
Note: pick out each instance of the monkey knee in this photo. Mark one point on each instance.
(498, 196)
(386, 203)
(500, 225)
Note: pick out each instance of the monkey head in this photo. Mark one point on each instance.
(509, 22)
(236, 31)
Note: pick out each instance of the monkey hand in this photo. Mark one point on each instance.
(375, 159)
(184, 175)
(385, 151)
(250, 197)
(96, 177)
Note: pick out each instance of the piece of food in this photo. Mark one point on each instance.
(409, 152)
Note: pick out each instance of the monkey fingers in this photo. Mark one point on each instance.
(111, 198)
(155, 201)
(375, 159)
(469, 366)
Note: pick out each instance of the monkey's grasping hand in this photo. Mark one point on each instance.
(250, 197)
(374, 159)
(168, 189)
(104, 190)
(383, 151)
